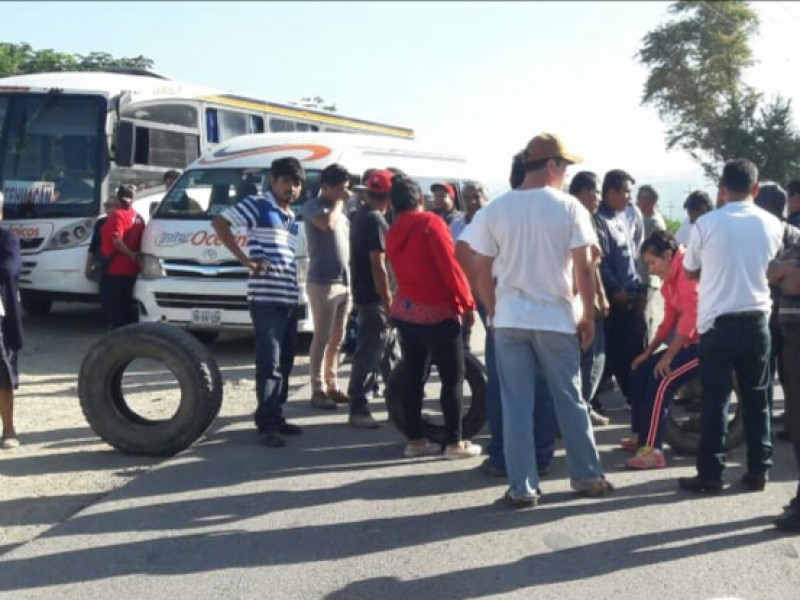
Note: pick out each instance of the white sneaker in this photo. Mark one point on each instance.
(463, 449)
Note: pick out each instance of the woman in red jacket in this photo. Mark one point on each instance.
(431, 302)
(658, 375)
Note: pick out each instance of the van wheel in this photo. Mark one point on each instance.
(473, 415)
(35, 306)
(111, 416)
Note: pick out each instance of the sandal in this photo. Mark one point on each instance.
(10, 443)
(463, 449)
(597, 489)
(426, 449)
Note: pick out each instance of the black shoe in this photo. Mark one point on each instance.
(754, 482)
(700, 486)
(272, 439)
(287, 428)
(783, 435)
(788, 522)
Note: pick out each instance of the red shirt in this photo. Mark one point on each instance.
(127, 225)
(680, 302)
(420, 250)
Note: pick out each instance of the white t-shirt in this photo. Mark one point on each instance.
(530, 234)
(682, 235)
(732, 247)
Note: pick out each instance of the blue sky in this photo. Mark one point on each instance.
(473, 78)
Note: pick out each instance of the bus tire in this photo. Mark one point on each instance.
(108, 413)
(684, 436)
(35, 306)
(471, 422)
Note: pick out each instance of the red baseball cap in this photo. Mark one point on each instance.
(446, 187)
(380, 182)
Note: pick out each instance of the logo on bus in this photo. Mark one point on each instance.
(25, 232)
(170, 239)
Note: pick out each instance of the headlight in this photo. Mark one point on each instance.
(151, 267)
(71, 235)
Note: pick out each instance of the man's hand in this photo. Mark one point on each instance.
(637, 362)
(621, 298)
(468, 318)
(663, 368)
(586, 331)
(257, 266)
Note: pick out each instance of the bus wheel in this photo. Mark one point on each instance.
(121, 423)
(473, 412)
(35, 306)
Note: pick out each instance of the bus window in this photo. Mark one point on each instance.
(278, 125)
(222, 125)
(182, 115)
(161, 148)
(305, 127)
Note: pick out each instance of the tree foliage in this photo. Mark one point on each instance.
(21, 59)
(696, 64)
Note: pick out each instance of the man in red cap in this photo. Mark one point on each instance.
(444, 195)
(371, 293)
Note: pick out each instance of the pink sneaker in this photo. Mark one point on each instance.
(647, 458)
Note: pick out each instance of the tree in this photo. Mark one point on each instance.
(20, 59)
(696, 64)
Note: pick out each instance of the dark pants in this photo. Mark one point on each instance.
(626, 338)
(737, 343)
(651, 395)
(275, 328)
(791, 387)
(116, 297)
(370, 344)
(442, 344)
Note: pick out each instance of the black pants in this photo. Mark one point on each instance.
(626, 338)
(116, 297)
(442, 344)
(791, 387)
(370, 344)
(776, 362)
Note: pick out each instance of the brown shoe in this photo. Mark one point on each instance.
(322, 401)
(597, 489)
(338, 397)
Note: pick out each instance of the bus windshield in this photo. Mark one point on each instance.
(52, 152)
(204, 193)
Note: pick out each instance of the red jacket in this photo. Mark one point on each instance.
(127, 225)
(420, 250)
(680, 302)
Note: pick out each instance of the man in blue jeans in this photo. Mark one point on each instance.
(729, 251)
(272, 289)
(528, 243)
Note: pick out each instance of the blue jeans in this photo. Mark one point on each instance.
(544, 419)
(737, 342)
(523, 354)
(275, 328)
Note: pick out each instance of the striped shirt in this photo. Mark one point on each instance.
(271, 235)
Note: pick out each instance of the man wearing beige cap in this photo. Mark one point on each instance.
(531, 239)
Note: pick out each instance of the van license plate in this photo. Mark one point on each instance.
(206, 317)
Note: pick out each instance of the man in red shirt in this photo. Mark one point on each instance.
(120, 240)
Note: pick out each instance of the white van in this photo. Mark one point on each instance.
(189, 278)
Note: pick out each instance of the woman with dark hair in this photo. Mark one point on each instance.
(657, 374)
(10, 331)
(431, 303)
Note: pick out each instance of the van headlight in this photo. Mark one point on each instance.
(151, 267)
(74, 234)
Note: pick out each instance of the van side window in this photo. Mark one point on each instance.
(278, 125)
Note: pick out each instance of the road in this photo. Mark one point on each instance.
(339, 513)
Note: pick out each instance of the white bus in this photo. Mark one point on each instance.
(69, 139)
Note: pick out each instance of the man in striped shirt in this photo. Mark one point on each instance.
(272, 290)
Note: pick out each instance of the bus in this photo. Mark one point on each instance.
(68, 140)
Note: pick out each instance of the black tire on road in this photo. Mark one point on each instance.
(471, 422)
(35, 306)
(108, 413)
(683, 436)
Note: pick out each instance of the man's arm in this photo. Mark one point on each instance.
(464, 256)
(380, 277)
(484, 282)
(584, 280)
(223, 229)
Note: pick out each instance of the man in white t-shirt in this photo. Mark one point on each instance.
(729, 250)
(529, 238)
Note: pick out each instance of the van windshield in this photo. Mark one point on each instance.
(204, 193)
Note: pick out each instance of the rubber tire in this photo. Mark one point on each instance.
(471, 423)
(688, 442)
(103, 403)
(206, 336)
(35, 307)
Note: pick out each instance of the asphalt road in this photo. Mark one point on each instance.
(340, 514)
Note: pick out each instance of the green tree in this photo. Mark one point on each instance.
(696, 64)
(21, 59)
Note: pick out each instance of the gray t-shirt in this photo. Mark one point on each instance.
(328, 251)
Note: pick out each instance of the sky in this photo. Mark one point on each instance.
(472, 78)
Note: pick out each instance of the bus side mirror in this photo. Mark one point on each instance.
(124, 144)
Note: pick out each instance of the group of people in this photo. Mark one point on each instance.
(570, 286)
